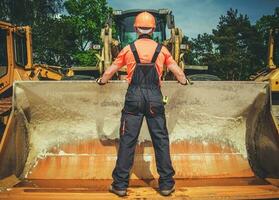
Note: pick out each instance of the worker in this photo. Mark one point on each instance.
(144, 59)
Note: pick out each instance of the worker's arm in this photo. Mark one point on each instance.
(108, 73)
(178, 73)
(116, 65)
(174, 68)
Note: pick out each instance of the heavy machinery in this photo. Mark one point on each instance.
(119, 32)
(16, 63)
(17, 57)
(61, 140)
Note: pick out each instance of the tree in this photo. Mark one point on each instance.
(51, 35)
(189, 57)
(267, 22)
(264, 25)
(238, 44)
(4, 11)
(60, 39)
(87, 17)
(46, 28)
(233, 51)
(28, 12)
(204, 51)
(54, 42)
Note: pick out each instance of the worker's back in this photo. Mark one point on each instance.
(145, 48)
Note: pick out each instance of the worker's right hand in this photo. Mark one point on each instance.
(99, 81)
(187, 82)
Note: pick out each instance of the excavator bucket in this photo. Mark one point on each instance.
(69, 131)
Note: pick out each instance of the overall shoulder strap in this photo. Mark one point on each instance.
(156, 53)
(135, 53)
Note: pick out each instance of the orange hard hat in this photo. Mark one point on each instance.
(145, 19)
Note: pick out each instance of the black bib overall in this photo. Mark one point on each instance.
(143, 99)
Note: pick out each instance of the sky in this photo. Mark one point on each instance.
(201, 16)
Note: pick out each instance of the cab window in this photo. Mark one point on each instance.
(20, 49)
(3, 53)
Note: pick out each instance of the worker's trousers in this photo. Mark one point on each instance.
(131, 122)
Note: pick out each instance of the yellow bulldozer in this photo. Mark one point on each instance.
(16, 63)
(61, 137)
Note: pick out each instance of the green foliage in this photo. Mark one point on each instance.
(264, 25)
(28, 12)
(87, 17)
(49, 32)
(189, 57)
(203, 49)
(237, 41)
(233, 51)
(54, 42)
(60, 39)
(85, 57)
(267, 22)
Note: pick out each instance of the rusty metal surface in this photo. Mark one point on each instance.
(103, 184)
(232, 188)
(72, 127)
(183, 192)
(94, 160)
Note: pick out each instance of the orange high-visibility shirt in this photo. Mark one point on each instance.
(145, 48)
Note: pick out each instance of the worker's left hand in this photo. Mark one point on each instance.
(99, 81)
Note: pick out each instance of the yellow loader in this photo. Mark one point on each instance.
(62, 137)
(16, 63)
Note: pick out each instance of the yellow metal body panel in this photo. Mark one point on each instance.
(271, 45)
(274, 80)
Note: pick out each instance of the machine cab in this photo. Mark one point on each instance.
(15, 52)
(4, 56)
(125, 24)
